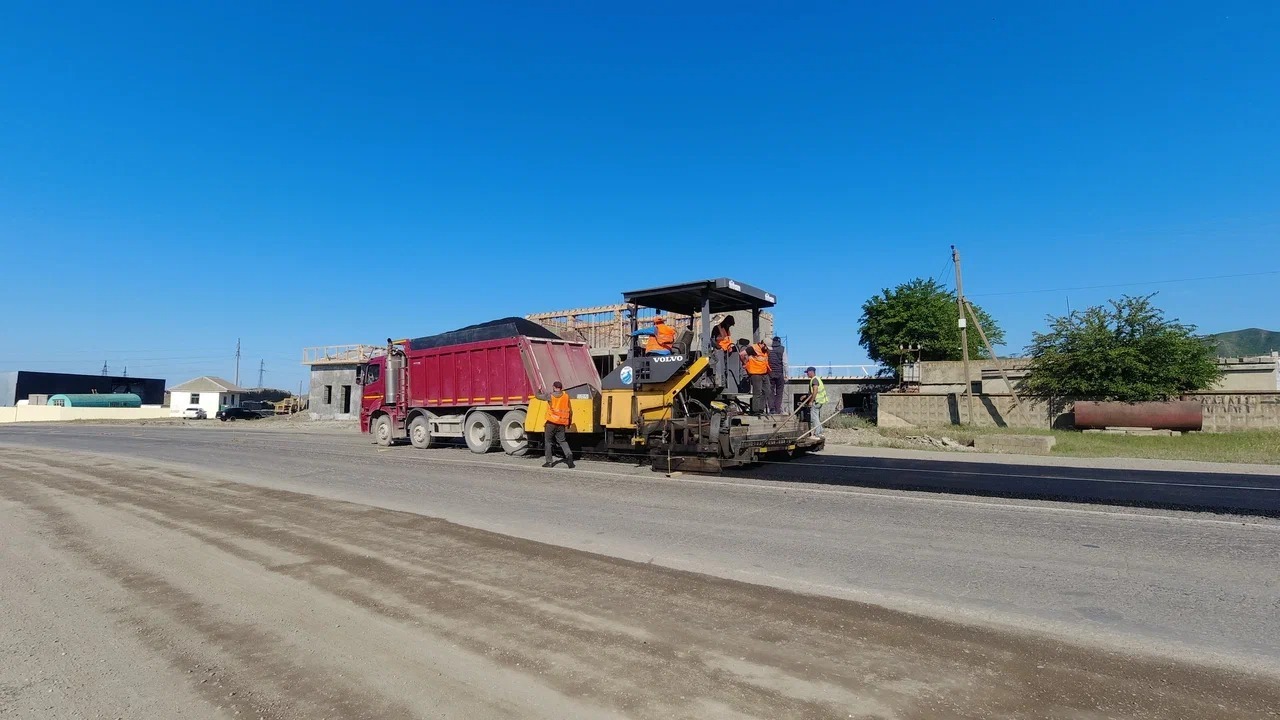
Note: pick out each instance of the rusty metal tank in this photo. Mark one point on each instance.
(1183, 415)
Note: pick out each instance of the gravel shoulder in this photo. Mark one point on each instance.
(234, 599)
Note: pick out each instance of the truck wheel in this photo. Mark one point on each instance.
(481, 431)
(420, 432)
(382, 431)
(511, 430)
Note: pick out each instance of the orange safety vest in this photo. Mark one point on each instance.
(725, 341)
(758, 364)
(663, 337)
(558, 409)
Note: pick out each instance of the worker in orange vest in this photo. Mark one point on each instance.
(722, 341)
(558, 416)
(661, 337)
(757, 367)
(723, 334)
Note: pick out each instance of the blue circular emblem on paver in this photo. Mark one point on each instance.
(627, 375)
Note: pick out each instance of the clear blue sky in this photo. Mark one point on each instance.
(172, 178)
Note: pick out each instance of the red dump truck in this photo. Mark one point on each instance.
(474, 383)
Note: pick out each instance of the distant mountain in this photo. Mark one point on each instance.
(1252, 341)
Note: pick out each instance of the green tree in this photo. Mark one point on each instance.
(923, 313)
(1124, 351)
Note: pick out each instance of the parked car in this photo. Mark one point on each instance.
(238, 413)
(194, 413)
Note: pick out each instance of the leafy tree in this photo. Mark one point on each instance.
(923, 313)
(1126, 351)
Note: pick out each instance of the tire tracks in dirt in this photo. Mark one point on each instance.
(312, 607)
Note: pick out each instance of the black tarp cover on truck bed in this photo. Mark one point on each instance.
(492, 330)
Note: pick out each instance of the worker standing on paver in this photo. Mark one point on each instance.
(559, 415)
(661, 337)
(740, 382)
(722, 339)
(757, 365)
(777, 375)
(817, 399)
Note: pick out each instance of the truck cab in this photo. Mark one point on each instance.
(369, 377)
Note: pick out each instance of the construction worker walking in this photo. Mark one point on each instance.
(559, 415)
(757, 367)
(817, 400)
(777, 375)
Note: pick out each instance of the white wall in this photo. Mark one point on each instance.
(211, 402)
(53, 413)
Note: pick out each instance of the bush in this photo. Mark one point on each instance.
(1126, 351)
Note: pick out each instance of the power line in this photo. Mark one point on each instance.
(1128, 284)
(940, 276)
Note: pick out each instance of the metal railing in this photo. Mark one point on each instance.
(838, 371)
(339, 354)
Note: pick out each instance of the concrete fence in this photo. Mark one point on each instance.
(916, 409)
(1223, 411)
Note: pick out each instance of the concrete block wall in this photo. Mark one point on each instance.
(919, 409)
(331, 406)
(947, 376)
(1226, 412)
(1223, 412)
(1249, 374)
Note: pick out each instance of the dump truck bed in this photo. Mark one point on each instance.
(499, 372)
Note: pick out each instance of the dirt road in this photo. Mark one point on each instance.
(136, 590)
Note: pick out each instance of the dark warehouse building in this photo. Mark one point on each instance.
(20, 384)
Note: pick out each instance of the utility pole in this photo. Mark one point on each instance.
(237, 362)
(964, 333)
(992, 351)
(261, 369)
(104, 367)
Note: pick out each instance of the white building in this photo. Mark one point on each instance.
(208, 392)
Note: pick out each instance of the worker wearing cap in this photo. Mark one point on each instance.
(757, 366)
(817, 400)
(661, 337)
(558, 416)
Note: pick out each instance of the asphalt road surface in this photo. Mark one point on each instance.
(202, 572)
(1251, 494)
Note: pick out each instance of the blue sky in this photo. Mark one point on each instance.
(173, 177)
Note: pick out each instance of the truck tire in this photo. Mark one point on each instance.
(382, 431)
(420, 432)
(481, 432)
(511, 433)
